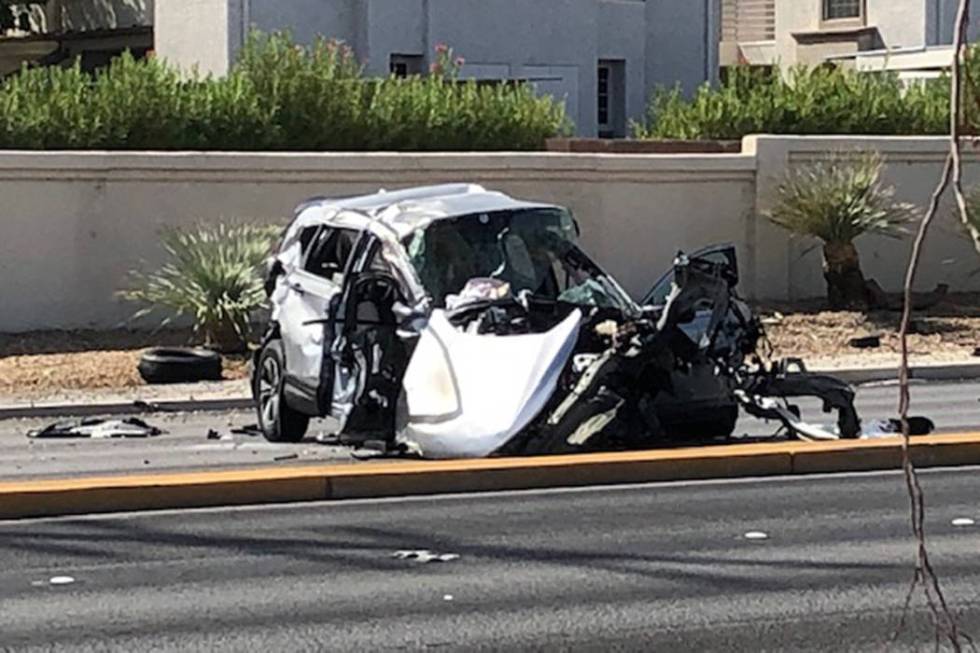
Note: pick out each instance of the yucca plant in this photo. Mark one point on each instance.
(213, 276)
(837, 200)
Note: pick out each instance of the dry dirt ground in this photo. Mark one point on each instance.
(948, 332)
(38, 364)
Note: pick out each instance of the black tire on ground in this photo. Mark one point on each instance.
(277, 421)
(180, 365)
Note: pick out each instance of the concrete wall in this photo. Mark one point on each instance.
(942, 19)
(793, 16)
(199, 34)
(900, 27)
(682, 42)
(73, 224)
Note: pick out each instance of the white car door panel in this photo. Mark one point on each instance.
(304, 309)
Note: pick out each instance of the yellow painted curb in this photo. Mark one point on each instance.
(311, 483)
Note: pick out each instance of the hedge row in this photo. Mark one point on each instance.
(279, 96)
(820, 100)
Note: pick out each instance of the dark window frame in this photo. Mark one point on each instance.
(326, 244)
(842, 9)
(603, 94)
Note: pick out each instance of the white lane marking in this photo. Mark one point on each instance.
(963, 521)
(61, 580)
(447, 597)
(756, 535)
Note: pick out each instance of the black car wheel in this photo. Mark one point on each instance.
(277, 421)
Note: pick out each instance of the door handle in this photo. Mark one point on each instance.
(298, 287)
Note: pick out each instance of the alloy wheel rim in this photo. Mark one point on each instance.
(269, 381)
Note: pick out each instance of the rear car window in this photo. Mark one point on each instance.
(330, 252)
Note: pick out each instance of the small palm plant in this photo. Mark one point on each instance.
(837, 200)
(213, 276)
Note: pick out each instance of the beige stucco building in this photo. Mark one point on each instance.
(909, 36)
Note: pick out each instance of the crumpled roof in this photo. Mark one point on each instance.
(407, 210)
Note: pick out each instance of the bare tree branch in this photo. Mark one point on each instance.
(925, 576)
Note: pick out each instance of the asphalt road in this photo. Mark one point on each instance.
(185, 446)
(656, 567)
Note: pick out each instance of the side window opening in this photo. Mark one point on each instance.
(306, 237)
(329, 252)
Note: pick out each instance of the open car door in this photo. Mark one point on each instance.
(722, 255)
(709, 274)
(369, 357)
(310, 293)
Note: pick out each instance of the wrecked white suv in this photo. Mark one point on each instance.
(452, 321)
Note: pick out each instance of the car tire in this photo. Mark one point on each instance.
(179, 365)
(277, 421)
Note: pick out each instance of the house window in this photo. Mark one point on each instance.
(403, 65)
(603, 95)
(835, 9)
(611, 98)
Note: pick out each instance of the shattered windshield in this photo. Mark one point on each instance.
(533, 250)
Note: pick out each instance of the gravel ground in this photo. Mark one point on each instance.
(947, 333)
(42, 364)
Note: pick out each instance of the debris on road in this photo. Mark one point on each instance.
(424, 556)
(96, 428)
(889, 427)
(291, 456)
(249, 429)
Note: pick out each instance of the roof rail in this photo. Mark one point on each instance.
(383, 199)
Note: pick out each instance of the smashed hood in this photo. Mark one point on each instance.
(466, 395)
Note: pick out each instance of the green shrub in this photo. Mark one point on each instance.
(819, 100)
(278, 96)
(838, 199)
(213, 275)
